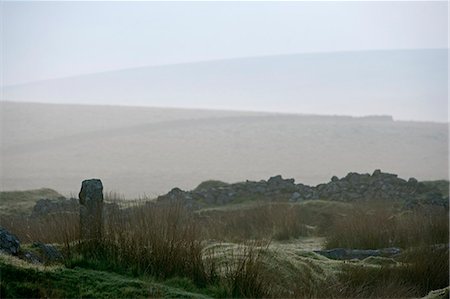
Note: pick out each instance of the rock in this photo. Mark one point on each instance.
(275, 179)
(175, 193)
(46, 206)
(91, 208)
(438, 294)
(349, 254)
(9, 243)
(412, 181)
(295, 196)
(376, 173)
(380, 261)
(352, 187)
(32, 257)
(260, 189)
(49, 253)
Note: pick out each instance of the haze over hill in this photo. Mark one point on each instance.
(137, 150)
(408, 84)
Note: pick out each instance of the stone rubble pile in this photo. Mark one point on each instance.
(352, 187)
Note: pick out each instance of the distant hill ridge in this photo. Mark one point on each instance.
(357, 83)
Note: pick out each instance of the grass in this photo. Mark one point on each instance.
(277, 221)
(157, 250)
(378, 225)
(427, 267)
(159, 240)
(60, 282)
(422, 269)
(243, 270)
(60, 228)
(263, 221)
(210, 184)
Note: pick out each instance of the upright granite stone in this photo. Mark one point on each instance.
(91, 207)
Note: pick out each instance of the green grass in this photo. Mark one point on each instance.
(21, 281)
(169, 251)
(19, 203)
(210, 184)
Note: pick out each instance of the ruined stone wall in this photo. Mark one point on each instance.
(352, 187)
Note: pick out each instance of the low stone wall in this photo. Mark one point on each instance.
(352, 187)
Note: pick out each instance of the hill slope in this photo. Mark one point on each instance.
(151, 150)
(408, 84)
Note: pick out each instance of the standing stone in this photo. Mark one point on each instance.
(91, 206)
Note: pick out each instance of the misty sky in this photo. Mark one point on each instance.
(42, 40)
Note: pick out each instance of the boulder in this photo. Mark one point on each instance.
(295, 196)
(349, 254)
(46, 206)
(41, 253)
(9, 243)
(48, 252)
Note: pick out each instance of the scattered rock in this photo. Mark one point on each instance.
(48, 252)
(32, 257)
(349, 254)
(352, 187)
(9, 243)
(379, 260)
(44, 207)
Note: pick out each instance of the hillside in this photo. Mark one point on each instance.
(138, 151)
(409, 84)
(22, 202)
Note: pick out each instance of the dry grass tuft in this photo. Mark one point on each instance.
(280, 221)
(379, 226)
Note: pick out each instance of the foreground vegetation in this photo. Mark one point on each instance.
(247, 250)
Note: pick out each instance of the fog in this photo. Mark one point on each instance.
(407, 84)
(147, 151)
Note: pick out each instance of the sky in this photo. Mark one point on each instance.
(44, 40)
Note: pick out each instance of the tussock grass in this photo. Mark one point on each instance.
(422, 232)
(422, 270)
(427, 267)
(280, 221)
(246, 278)
(63, 228)
(160, 240)
(373, 226)
(173, 244)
